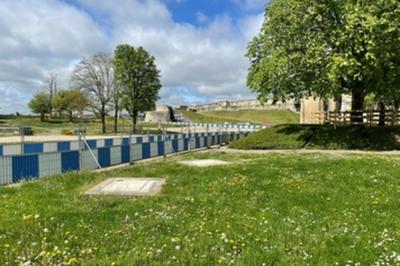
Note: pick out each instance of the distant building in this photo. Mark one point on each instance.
(245, 105)
(313, 110)
(162, 114)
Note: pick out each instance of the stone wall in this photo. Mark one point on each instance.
(243, 105)
(312, 110)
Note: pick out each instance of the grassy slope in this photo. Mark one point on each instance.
(272, 117)
(276, 209)
(322, 137)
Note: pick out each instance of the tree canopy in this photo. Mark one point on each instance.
(94, 76)
(326, 49)
(70, 101)
(40, 104)
(139, 79)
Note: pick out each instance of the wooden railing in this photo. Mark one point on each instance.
(360, 117)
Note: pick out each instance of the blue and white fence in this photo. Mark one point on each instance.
(61, 146)
(244, 126)
(45, 159)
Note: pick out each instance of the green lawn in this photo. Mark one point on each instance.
(322, 137)
(261, 210)
(272, 117)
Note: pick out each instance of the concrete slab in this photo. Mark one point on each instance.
(126, 186)
(204, 163)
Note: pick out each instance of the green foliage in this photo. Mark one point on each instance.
(40, 104)
(139, 78)
(70, 101)
(327, 48)
(322, 137)
(261, 209)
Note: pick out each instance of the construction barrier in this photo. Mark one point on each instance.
(244, 126)
(36, 160)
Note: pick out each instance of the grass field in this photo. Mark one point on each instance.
(261, 210)
(322, 137)
(272, 117)
(61, 126)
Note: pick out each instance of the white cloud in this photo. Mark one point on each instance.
(205, 63)
(39, 37)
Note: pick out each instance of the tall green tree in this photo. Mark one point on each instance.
(40, 104)
(117, 105)
(326, 49)
(70, 101)
(139, 79)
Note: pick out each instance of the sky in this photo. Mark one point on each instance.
(199, 45)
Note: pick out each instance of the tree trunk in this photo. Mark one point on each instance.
(116, 118)
(338, 103)
(381, 113)
(396, 105)
(70, 116)
(357, 106)
(134, 121)
(103, 122)
(42, 116)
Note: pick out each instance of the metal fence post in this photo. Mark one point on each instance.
(190, 137)
(164, 138)
(219, 135)
(207, 130)
(22, 135)
(80, 146)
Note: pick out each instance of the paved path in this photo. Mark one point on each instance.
(329, 152)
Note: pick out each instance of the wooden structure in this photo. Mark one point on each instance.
(364, 117)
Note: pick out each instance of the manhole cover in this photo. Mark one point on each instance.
(126, 186)
(204, 163)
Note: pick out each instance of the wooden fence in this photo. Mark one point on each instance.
(361, 117)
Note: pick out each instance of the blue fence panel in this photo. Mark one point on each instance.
(63, 146)
(139, 140)
(146, 150)
(31, 148)
(91, 143)
(161, 148)
(1, 150)
(125, 141)
(186, 144)
(104, 156)
(175, 145)
(125, 154)
(25, 167)
(108, 143)
(151, 139)
(69, 161)
(197, 142)
(205, 141)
